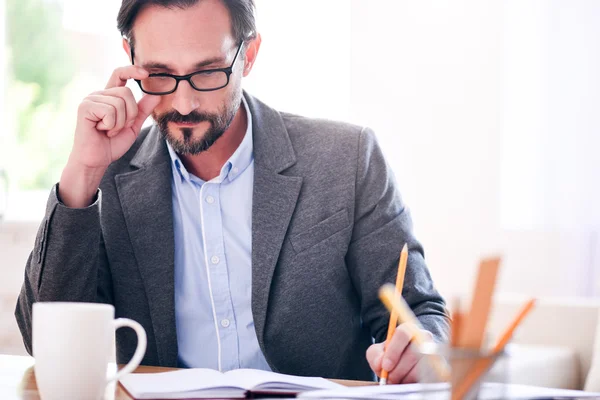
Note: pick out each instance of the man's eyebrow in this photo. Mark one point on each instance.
(210, 61)
(156, 65)
(199, 65)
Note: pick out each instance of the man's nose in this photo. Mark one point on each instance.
(185, 98)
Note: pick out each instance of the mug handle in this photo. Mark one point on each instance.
(139, 351)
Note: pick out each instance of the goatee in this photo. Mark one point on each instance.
(188, 144)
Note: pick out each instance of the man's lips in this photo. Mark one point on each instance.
(185, 124)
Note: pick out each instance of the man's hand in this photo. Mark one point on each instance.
(399, 358)
(108, 122)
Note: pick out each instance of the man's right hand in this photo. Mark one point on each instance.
(108, 122)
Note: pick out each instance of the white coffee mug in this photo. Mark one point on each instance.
(72, 343)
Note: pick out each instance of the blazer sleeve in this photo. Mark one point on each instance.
(68, 262)
(382, 224)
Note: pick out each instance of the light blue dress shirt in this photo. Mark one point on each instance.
(213, 263)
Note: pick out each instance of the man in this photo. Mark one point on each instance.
(236, 235)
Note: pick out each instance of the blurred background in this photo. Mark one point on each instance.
(487, 112)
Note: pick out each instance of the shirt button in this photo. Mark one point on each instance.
(235, 170)
(225, 323)
(214, 259)
(210, 199)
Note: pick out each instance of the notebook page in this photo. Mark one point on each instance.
(265, 380)
(185, 380)
(376, 391)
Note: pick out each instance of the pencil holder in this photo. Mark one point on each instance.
(467, 371)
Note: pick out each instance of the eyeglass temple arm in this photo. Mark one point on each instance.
(132, 54)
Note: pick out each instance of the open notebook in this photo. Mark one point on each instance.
(197, 383)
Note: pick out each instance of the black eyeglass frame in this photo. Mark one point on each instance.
(178, 78)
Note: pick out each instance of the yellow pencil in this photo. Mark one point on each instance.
(394, 316)
(393, 302)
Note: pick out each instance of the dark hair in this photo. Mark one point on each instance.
(241, 13)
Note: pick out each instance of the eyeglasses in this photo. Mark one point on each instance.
(204, 81)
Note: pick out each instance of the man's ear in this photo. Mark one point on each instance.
(251, 53)
(127, 49)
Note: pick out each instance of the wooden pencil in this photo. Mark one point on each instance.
(393, 315)
(483, 365)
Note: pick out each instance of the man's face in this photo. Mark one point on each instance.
(182, 41)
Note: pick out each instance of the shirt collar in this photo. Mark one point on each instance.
(237, 163)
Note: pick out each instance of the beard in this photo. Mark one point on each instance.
(190, 144)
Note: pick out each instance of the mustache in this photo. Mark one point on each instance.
(194, 117)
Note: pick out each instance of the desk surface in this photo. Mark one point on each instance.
(17, 380)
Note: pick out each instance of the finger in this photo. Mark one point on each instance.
(130, 103)
(145, 107)
(102, 115)
(396, 347)
(119, 104)
(413, 375)
(375, 357)
(408, 361)
(120, 76)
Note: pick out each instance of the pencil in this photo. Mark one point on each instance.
(394, 316)
(482, 366)
(392, 301)
(473, 331)
(456, 364)
(457, 318)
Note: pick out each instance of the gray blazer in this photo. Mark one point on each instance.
(327, 227)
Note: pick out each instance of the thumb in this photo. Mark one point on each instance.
(145, 107)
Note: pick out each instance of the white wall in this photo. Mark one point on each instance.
(427, 76)
(473, 103)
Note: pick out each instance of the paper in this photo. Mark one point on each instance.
(208, 383)
(441, 391)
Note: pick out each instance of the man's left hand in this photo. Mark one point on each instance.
(399, 358)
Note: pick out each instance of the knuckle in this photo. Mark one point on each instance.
(121, 103)
(84, 105)
(120, 91)
(125, 91)
(129, 100)
(403, 334)
(118, 71)
(370, 352)
(403, 329)
(399, 342)
(111, 112)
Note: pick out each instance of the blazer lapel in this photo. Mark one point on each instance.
(274, 200)
(145, 196)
